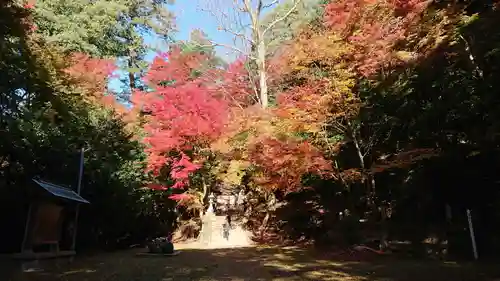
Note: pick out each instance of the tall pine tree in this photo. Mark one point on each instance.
(103, 28)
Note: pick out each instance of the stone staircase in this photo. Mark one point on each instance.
(212, 237)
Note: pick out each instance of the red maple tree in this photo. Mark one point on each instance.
(185, 114)
(93, 74)
(233, 83)
(373, 27)
(283, 163)
(188, 113)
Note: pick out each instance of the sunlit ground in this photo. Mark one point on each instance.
(252, 264)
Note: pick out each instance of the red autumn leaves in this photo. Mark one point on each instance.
(286, 161)
(373, 28)
(193, 105)
(187, 113)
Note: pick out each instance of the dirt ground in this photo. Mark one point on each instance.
(252, 264)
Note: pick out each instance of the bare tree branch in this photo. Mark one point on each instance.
(270, 4)
(368, 145)
(272, 24)
(249, 10)
(232, 23)
(239, 35)
(471, 57)
(252, 82)
(215, 44)
(223, 27)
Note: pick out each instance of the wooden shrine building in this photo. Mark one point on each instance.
(50, 208)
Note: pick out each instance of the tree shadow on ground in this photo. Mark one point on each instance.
(256, 264)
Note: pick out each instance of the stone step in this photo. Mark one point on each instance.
(212, 235)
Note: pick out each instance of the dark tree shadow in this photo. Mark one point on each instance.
(253, 264)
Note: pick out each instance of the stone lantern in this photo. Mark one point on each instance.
(210, 203)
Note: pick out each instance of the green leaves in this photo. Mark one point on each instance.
(45, 121)
(104, 28)
(82, 26)
(306, 12)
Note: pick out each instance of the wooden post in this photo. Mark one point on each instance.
(472, 236)
(27, 228)
(75, 225)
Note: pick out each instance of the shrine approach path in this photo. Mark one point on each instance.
(252, 264)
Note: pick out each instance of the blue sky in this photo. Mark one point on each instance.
(188, 17)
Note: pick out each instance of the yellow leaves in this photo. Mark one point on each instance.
(299, 67)
(312, 128)
(342, 79)
(311, 48)
(405, 56)
(232, 172)
(221, 145)
(194, 200)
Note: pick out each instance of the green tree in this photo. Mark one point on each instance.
(105, 28)
(305, 14)
(44, 122)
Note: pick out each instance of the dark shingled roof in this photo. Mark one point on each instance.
(60, 191)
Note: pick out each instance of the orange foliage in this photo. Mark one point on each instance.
(359, 37)
(266, 139)
(317, 65)
(351, 175)
(161, 69)
(404, 159)
(305, 106)
(233, 83)
(282, 163)
(373, 28)
(316, 103)
(311, 50)
(92, 75)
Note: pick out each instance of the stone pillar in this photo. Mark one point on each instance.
(207, 223)
(212, 233)
(210, 203)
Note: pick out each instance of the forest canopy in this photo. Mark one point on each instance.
(383, 110)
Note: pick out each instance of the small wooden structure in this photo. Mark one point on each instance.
(45, 219)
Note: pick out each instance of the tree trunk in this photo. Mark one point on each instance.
(261, 68)
(264, 225)
(371, 184)
(472, 59)
(361, 158)
(202, 199)
(131, 76)
(271, 207)
(358, 151)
